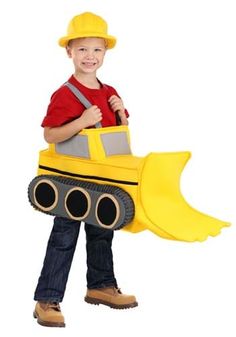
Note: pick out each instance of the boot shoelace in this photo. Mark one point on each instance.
(117, 290)
(53, 305)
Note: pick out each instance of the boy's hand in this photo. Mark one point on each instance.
(91, 116)
(116, 104)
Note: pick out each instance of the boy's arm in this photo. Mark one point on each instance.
(59, 134)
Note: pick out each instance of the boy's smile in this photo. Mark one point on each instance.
(89, 65)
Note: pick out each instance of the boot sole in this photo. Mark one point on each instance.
(97, 301)
(48, 324)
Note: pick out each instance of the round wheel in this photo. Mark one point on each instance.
(77, 203)
(45, 195)
(107, 211)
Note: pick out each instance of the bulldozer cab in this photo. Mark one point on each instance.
(96, 143)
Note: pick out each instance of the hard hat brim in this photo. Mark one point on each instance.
(110, 40)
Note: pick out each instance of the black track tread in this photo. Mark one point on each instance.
(103, 188)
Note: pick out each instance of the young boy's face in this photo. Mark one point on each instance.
(87, 54)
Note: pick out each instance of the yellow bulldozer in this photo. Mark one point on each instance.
(94, 177)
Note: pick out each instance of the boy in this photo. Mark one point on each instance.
(86, 44)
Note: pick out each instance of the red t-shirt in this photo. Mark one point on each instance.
(65, 106)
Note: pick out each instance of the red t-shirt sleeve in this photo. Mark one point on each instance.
(63, 108)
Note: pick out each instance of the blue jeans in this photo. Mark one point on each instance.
(60, 250)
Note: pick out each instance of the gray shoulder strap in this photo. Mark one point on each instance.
(81, 98)
(79, 95)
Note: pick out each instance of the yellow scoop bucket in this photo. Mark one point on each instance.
(168, 214)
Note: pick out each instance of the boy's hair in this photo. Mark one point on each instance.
(70, 41)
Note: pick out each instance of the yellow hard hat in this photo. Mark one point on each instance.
(87, 25)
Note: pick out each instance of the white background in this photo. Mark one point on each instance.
(174, 66)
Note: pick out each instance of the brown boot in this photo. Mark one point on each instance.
(49, 314)
(111, 297)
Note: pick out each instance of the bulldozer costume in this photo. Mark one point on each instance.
(95, 178)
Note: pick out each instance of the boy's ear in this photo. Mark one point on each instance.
(68, 51)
